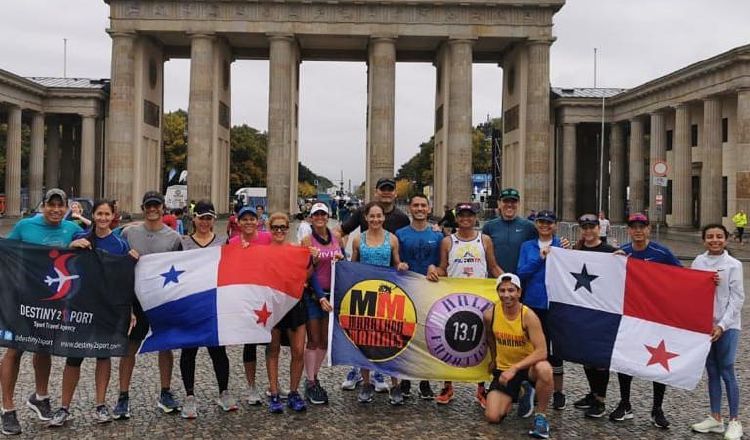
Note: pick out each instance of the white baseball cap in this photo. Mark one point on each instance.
(319, 207)
(513, 278)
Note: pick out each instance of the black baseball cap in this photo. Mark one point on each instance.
(510, 193)
(546, 215)
(55, 192)
(153, 197)
(465, 207)
(385, 181)
(204, 207)
(588, 219)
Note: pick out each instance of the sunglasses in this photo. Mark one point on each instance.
(588, 218)
(279, 228)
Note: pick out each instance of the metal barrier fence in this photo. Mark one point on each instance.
(617, 235)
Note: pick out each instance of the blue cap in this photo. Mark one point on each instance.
(546, 215)
(247, 210)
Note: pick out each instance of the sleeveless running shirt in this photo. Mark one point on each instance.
(466, 259)
(511, 343)
(376, 255)
(325, 257)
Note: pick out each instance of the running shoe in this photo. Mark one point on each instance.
(314, 393)
(596, 410)
(275, 406)
(481, 395)
(190, 408)
(40, 406)
(708, 425)
(10, 423)
(167, 402)
(585, 402)
(526, 400)
(227, 402)
(558, 400)
(734, 430)
(102, 414)
(367, 390)
(122, 408)
(396, 396)
(296, 402)
(622, 412)
(425, 391)
(322, 390)
(445, 396)
(59, 418)
(379, 381)
(658, 419)
(541, 427)
(352, 379)
(253, 398)
(405, 388)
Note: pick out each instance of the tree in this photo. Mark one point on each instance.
(174, 137)
(306, 190)
(403, 189)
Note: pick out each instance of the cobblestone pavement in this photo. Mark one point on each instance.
(344, 418)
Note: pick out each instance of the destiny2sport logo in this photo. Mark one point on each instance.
(61, 279)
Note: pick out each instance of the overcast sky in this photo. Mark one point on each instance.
(638, 40)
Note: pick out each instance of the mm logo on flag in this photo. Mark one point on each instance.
(379, 318)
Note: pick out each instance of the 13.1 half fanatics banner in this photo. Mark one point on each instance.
(405, 326)
(64, 302)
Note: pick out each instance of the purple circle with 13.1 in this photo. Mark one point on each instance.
(454, 329)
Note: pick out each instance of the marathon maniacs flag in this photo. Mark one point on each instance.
(65, 302)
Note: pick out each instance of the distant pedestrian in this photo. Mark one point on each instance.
(604, 227)
(740, 222)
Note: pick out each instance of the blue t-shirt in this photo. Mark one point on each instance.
(654, 252)
(36, 230)
(419, 249)
(112, 243)
(507, 238)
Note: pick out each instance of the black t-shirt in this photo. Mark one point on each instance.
(394, 220)
(602, 247)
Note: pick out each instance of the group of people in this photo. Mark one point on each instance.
(510, 249)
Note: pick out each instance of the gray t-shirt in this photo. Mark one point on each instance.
(188, 243)
(149, 242)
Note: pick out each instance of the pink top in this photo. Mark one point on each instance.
(326, 256)
(261, 237)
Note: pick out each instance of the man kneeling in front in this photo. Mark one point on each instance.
(519, 358)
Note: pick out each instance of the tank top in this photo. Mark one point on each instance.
(376, 255)
(466, 259)
(325, 257)
(511, 343)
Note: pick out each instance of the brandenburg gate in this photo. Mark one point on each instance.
(451, 34)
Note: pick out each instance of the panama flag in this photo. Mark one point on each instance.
(644, 319)
(224, 295)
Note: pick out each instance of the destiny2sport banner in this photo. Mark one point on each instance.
(64, 302)
(405, 326)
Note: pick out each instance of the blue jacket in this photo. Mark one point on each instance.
(531, 270)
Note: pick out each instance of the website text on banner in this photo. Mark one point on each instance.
(644, 319)
(402, 325)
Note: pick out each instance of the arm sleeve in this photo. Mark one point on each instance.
(315, 286)
(15, 233)
(352, 223)
(736, 299)
(673, 260)
(528, 263)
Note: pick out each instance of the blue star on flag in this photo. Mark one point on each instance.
(171, 276)
(583, 279)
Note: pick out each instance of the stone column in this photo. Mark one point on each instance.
(67, 157)
(617, 174)
(381, 110)
(657, 152)
(88, 139)
(712, 161)
(52, 170)
(13, 163)
(459, 122)
(282, 63)
(682, 169)
(200, 116)
(742, 146)
(636, 165)
(537, 173)
(569, 172)
(119, 155)
(36, 160)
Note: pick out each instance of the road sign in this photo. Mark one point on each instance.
(660, 168)
(660, 181)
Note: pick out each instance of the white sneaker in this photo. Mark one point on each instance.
(708, 425)
(378, 380)
(190, 408)
(253, 398)
(734, 430)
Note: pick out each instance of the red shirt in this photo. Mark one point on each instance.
(170, 220)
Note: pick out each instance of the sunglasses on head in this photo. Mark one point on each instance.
(588, 218)
(279, 228)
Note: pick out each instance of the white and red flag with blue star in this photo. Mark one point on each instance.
(215, 296)
(648, 320)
